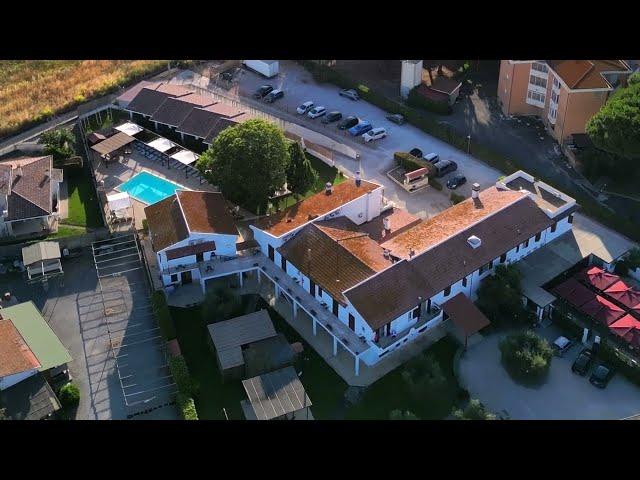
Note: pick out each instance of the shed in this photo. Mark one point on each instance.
(267, 355)
(465, 316)
(42, 259)
(31, 399)
(277, 395)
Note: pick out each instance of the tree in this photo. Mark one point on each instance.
(402, 415)
(500, 297)
(526, 356)
(3, 414)
(221, 304)
(424, 377)
(475, 410)
(301, 175)
(60, 143)
(616, 127)
(248, 162)
(69, 396)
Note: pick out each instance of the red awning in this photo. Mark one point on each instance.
(602, 310)
(626, 295)
(597, 278)
(627, 328)
(574, 292)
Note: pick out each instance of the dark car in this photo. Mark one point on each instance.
(445, 166)
(331, 117)
(416, 152)
(456, 181)
(601, 376)
(263, 91)
(396, 118)
(348, 122)
(273, 95)
(582, 362)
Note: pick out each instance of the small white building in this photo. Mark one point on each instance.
(42, 260)
(187, 229)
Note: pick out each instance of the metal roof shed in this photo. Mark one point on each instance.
(42, 258)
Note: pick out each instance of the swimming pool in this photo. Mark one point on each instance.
(149, 188)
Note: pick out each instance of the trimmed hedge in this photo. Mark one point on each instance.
(181, 375)
(411, 163)
(619, 362)
(161, 310)
(433, 183)
(415, 99)
(187, 407)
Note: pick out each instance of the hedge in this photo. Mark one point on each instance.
(322, 73)
(415, 99)
(567, 325)
(411, 163)
(433, 183)
(187, 407)
(181, 375)
(619, 362)
(161, 310)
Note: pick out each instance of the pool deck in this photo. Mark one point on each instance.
(116, 173)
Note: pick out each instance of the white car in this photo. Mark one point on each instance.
(304, 108)
(317, 112)
(374, 134)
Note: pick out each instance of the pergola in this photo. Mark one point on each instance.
(119, 205)
(112, 144)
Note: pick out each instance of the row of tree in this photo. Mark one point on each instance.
(251, 161)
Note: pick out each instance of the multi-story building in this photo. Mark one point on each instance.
(565, 94)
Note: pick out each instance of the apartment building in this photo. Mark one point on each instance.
(565, 94)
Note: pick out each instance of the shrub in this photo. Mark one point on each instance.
(69, 396)
(455, 198)
(475, 410)
(181, 375)
(415, 99)
(161, 310)
(402, 415)
(526, 356)
(187, 407)
(620, 362)
(568, 327)
(411, 163)
(424, 376)
(435, 184)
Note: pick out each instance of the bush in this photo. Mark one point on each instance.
(455, 198)
(475, 410)
(415, 99)
(435, 184)
(526, 356)
(568, 327)
(411, 163)
(161, 310)
(187, 407)
(69, 396)
(424, 377)
(402, 415)
(182, 377)
(620, 362)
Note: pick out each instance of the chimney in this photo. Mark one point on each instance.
(19, 171)
(412, 252)
(387, 224)
(385, 253)
(475, 190)
(328, 187)
(358, 179)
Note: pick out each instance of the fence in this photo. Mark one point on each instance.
(76, 241)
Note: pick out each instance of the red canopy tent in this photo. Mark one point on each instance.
(626, 295)
(628, 328)
(574, 292)
(602, 310)
(597, 278)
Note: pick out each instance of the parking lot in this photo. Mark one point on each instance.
(377, 156)
(564, 395)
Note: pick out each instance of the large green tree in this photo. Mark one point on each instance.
(475, 410)
(301, 175)
(248, 162)
(60, 143)
(616, 127)
(500, 297)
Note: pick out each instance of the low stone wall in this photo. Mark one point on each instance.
(76, 241)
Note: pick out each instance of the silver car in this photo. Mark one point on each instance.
(350, 93)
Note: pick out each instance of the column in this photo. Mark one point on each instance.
(335, 346)
(130, 115)
(259, 276)
(182, 136)
(277, 290)
(295, 309)
(357, 365)
(203, 286)
(313, 320)
(240, 279)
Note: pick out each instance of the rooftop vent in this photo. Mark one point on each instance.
(387, 223)
(412, 252)
(474, 241)
(19, 171)
(358, 179)
(475, 190)
(328, 188)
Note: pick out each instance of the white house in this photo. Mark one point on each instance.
(187, 229)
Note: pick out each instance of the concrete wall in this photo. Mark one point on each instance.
(76, 241)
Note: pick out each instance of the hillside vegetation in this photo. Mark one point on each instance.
(35, 90)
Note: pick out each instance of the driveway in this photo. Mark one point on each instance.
(564, 396)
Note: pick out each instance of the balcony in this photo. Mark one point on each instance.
(426, 317)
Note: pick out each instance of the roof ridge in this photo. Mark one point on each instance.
(13, 192)
(592, 66)
(341, 246)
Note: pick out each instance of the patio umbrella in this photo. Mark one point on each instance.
(627, 328)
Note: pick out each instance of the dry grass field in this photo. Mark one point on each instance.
(34, 90)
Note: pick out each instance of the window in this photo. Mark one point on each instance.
(540, 67)
(352, 322)
(537, 81)
(556, 83)
(503, 258)
(336, 306)
(555, 97)
(535, 96)
(447, 291)
(571, 218)
(486, 267)
(526, 243)
(415, 313)
(517, 248)
(538, 236)
(554, 226)
(464, 282)
(283, 263)
(200, 257)
(320, 291)
(174, 277)
(490, 264)
(271, 253)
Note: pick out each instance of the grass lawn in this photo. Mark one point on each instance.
(326, 174)
(67, 231)
(325, 388)
(84, 209)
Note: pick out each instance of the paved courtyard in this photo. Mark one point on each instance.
(564, 396)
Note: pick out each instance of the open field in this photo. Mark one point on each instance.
(34, 90)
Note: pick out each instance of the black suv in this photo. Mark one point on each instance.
(348, 123)
(582, 362)
(263, 91)
(331, 117)
(601, 376)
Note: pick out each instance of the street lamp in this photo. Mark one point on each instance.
(469, 143)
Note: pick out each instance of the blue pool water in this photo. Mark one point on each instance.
(148, 188)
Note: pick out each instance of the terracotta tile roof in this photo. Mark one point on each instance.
(180, 252)
(130, 94)
(15, 354)
(206, 212)
(173, 111)
(166, 223)
(399, 221)
(586, 74)
(396, 290)
(465, 315)
(224, 110)
(31, 191)
(451, 221)
(148, 100)
(314, 206)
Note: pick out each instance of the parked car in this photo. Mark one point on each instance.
(582, 362)
(416, 152)
(350, 93)
(332, 117)
(396, 118)
(445, 166)
(316, 112)
(361, 128)
(274, 95)
(432, 157)
(561, 345)
(601, 376)
(374, 134)
(304, 108)
(263, 91)
(348, 122)
(456, 181)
